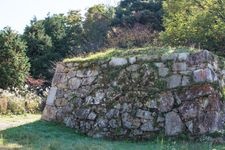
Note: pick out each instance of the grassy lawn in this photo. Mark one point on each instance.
(43, 135)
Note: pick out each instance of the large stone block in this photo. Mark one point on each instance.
(51, 96)
(49, 113)
(203, 75)
(173, 124)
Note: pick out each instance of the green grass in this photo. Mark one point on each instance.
(107, 54)
(43, 135)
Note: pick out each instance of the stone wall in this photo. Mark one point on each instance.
(139, 97)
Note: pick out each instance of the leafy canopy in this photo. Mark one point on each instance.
(195, 22)
(14, 65)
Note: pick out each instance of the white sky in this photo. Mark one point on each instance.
(18, 13)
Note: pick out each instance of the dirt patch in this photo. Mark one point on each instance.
(14, 120)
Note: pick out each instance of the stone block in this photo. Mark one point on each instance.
(144, 114)
(133, 67)
(183, 56)
(185, 81)
(173, 124)
(132, 60)
(179, 66)
(82, 113)
(174, 81)
(49, 113)
(118, 61)
(130, 122)
(51, 96)
(92, 116)
(74, 83)
(203, 75)
(147, 126)
(163, 72)
(59, 68)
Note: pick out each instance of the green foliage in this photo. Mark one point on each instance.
(60, 35)
(96, 25)
(146, 12)
(74, 33)
(137, 36)
(195, 22)
(14, 65)
(46, 41)
(39, 47)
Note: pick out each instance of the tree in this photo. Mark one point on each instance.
(14, 65)
(52, 39)
(195, 22)
(39, 48)
(145, 12)
(74, 33)
(96, 25)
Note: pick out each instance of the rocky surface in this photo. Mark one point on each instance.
(139, 97)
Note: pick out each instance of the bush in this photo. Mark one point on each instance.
(14, 103)
(16, 106)
(3, 105)
(14, 65)
(137, 36)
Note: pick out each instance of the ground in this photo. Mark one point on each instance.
(30, 133)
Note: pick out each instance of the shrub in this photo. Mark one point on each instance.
(3, 105)
(137, 36)
(14, 103)
(32, 106)
(16, 106)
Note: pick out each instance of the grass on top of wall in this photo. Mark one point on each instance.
(113, 52)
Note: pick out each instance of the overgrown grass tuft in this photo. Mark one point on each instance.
(150, 50)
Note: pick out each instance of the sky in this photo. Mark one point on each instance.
(18, 13)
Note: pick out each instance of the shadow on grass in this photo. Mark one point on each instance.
(51, 136)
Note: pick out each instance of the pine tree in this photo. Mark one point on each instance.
(14, 65)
